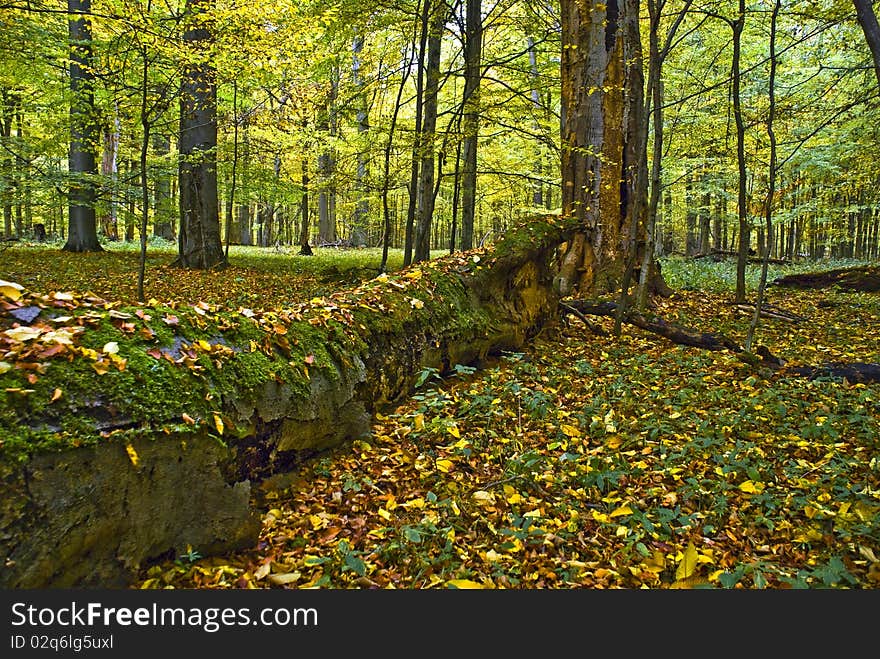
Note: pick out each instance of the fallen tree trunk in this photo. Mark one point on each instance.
(131, 434)
(674, 333)
(854, 372)
(864, 279)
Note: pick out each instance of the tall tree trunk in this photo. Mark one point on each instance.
(82, 234)
(537, 186)
(595, 126)
(362, 207)
(7, 178)
(304, 228)
(771, 177)
(245, 218)
(868, 20)
(110, 174)
(412, 208)
(199, 243)
(742, 180)
(471, 104)
(327, 167)
(163, 203)
(230, 203)
(422, 242)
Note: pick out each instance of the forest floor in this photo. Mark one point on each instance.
(581, 462)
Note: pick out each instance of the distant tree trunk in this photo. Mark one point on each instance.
(471, 104)
(7, 179)
(705, 219)
(230, 204)
(537, 186)
(199, 243)
(245, 219)
(326, 170)
(742, 180)
(690, 218)
(362, 207)
(82, 234)
(110, 171)
(868, 20)
(304, 228)
(163, 204)
(422, 242)
(597, 185)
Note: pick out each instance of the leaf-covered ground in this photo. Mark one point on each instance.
(582, 462)
(588, 462)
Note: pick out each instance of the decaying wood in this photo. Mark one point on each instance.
(675, 333)
(769, 311)
(865, 279)
(854, 372)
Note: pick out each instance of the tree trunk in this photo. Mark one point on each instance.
(412, 208)
(742, 200)
(362, 207)
(327, 168)
(868, 20)
(595, 127)
(82, 234)
(199, 243)
(471, 124)
(422, 242)
(163, 203)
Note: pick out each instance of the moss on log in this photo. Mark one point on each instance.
(143, 395)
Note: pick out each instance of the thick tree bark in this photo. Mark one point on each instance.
(471, 123)
(82, 233)
(199, 244)
(596, 127)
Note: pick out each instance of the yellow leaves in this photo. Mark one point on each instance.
(464, 584)
(483, 498)
(453, 430)
(444, 465)
(419, 422)
(24, 333)
(218, 423)
(623, 510)
(511, 495)
(111, 348)
(570, 431)
(56, 395)
(11, 290)
(5, 367)
(751, 487)
(132, 455)
(416, 303)
(384, 514)
(688, 564)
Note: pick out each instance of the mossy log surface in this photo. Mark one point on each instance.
(133, 433)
